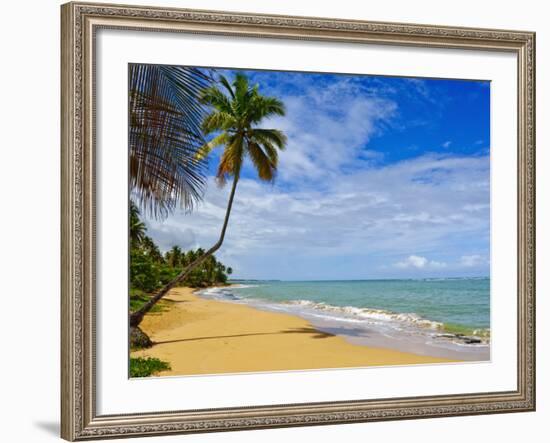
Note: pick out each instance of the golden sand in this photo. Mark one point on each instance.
(197, 336)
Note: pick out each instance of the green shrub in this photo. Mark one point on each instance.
(167, 274)
(144, 367)
(144, 272)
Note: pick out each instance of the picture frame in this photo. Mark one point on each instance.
(80, 24)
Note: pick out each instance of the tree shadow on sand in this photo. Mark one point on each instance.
(306, 330)
(171, 300)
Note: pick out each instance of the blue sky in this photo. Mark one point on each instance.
(383, 177)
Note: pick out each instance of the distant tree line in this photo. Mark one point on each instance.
(150, 269)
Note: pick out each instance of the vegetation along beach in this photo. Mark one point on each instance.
(297, 221)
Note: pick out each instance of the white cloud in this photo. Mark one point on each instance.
(325, 136)
(413, 261)
(447, 144)
(418, 262)
(346, 225)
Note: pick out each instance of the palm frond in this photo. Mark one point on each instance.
(241, 85)
(266, 107)
(165, 119)
(214, 97)
(272, 153)
(221, 139)
(223, 80)
(217, 121)
(274, 136)
(231, 159)
(263, 164)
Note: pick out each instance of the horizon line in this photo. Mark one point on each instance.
(364, 279)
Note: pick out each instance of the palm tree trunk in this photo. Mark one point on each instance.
(137, 317)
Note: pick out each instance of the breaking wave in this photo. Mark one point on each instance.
(404, 322)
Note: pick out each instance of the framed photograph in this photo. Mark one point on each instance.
(277, 221)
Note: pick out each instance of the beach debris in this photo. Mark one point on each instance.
(466, 339)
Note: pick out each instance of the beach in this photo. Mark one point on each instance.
(204, 336)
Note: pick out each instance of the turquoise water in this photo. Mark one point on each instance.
(460, 306)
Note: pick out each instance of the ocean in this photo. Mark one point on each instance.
(447, 317)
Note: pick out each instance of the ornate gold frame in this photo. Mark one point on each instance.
(79, 23)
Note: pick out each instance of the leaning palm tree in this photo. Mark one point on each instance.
(238, 109)
(165, 115)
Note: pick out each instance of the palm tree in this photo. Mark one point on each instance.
(237, 111)
(152, 249)
(165, 115)
(174, 256)
(137, 227)
(190, 257)
(209, 265)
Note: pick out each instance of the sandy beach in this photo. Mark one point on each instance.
(198, 336)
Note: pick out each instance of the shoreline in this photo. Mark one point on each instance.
(199, 336)
(370, 332)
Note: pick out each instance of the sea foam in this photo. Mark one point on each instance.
(383, 320)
